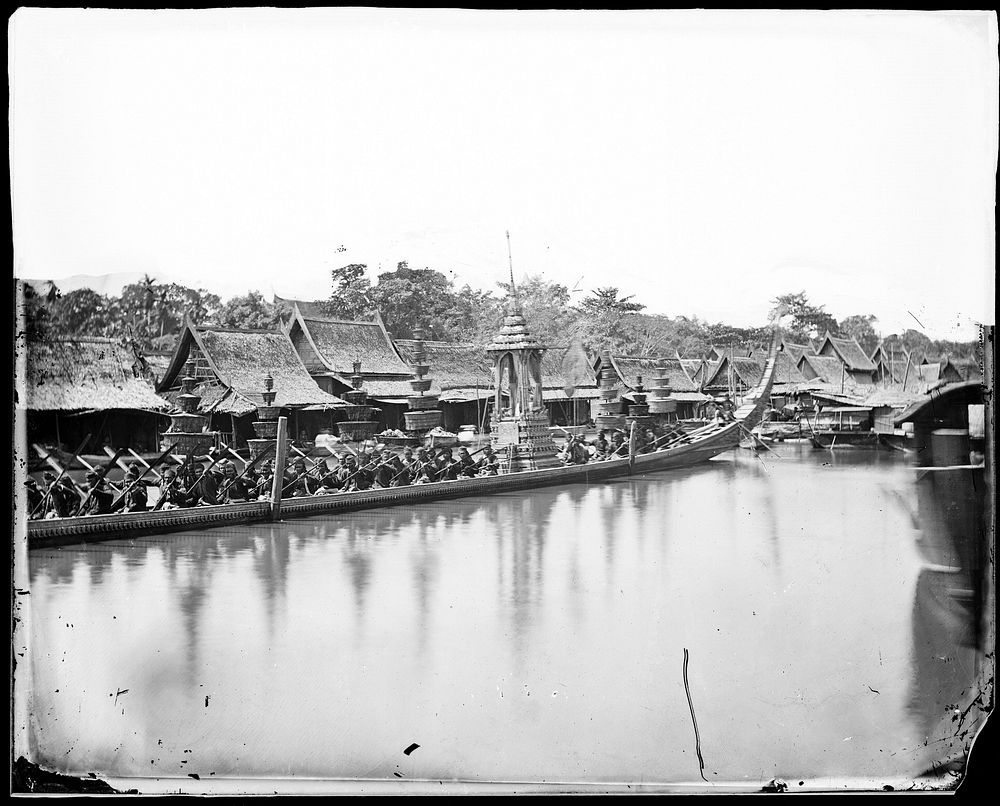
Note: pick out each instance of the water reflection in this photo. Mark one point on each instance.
(520, 636)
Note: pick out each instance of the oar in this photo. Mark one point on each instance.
(364, 467)
(100, 477)
(752, 435)
(249, 466)
(457, 461)
(144, 463)
(162, 458)
(204, 472)
(236, 456)
(62, 472)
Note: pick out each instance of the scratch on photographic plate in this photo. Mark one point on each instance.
(694, 720)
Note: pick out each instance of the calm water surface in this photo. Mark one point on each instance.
(524, 636)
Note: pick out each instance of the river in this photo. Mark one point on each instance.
(534, 636)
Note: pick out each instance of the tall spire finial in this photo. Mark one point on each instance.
(513, 288)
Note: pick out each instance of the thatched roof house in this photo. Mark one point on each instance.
(628, 368)
(746, 374)
(856, 363)
(796, 351)
(88, 373)
(72, 384)
(329, 347)
(230, 366)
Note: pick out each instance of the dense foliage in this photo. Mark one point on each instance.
(150, 315)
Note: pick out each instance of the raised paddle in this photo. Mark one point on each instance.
(62, 472)
(162, 458)
(204, 472)
(100, 477)
(249, 466)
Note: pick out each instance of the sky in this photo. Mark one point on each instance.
(701, 161)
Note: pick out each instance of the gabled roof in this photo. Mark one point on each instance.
(786, 370)
(828, 367)
(453, 365)
(87, 373)
(339, 343)
(627, 367)
(239, 360)
(850, 353)
(796, 351)
(748, 370)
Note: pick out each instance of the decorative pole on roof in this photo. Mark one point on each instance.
(424, 414)
(520, 431)
(661, 401)
(358, 426)
(266, 424)
(610, 408)
(638, 412)
(189, 429)
(513, 287)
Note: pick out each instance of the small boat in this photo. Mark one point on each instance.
(842, 427)
(691, 448)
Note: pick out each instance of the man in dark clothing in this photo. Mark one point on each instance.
(234, 488)
(100, 497)
(206, 490)
(298, 482)
(601, 446)
(365, 478)
(466, 467)
(401, 473)
(133, 497)
(445, 467)
(171, 494)
(384, 471)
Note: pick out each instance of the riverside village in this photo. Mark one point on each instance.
(427, 502)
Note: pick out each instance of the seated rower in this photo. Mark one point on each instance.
(100, 497)
(445, 466)
(484, 461)
(297, 481)
(234, 488)
(364, 479)
(134, 497)
(466, 467)
(601, 446)
(206, 489)
(402, 475)
(491, 464)
(63, 501)
(383, 471)
(171, 494)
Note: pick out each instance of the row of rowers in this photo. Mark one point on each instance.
(212, 482)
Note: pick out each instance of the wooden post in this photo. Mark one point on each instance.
(281, 454)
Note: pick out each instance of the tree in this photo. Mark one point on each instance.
(807, 321)
(150, 312)
(608, 321)
(250, 311)
(351, 296)
(546, 308)
(410, 298)
(861, 327)
(83, 312)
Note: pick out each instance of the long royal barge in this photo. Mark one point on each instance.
(693, 448)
